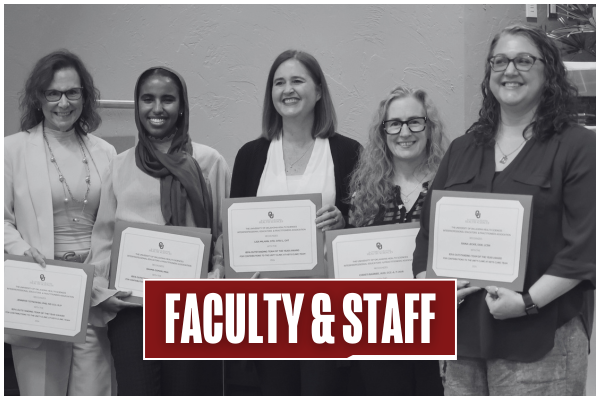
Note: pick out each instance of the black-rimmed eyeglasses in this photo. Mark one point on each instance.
(394, 126)
(522, 62)
(56, 95)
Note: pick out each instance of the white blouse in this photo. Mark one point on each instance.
(318, 176)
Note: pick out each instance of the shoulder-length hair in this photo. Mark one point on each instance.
(41, 77)
(325, 120)
(372, 181)
(556, 109)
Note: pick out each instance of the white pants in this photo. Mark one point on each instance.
(61, 368)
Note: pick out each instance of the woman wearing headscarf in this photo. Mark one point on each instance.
(526, 142)
(52, 181)
(165, 180)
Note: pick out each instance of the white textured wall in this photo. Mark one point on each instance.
(224, 53)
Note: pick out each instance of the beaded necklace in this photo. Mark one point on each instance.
(63, 181)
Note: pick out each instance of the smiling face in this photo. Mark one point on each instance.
(513, 88)
(294, 92)
(61, 115)
(407, 145)
(158, 105)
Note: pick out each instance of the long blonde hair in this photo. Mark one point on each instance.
(372, 181)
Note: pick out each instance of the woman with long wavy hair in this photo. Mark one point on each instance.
(526, 142)
(405, 147)
(406, 144)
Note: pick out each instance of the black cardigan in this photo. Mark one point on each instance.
(252, 157)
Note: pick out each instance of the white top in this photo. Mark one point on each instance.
(128, 194)
(318, 176)
(293, 183)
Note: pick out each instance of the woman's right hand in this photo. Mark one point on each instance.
(114, 304)
(463, 290)
(37, 256)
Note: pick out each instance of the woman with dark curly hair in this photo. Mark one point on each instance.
(405, 147)
(526, 142)
(52, 177)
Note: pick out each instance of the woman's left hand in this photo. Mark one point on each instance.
(329, 218)
(504, 303)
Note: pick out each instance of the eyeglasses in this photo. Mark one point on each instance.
(394, 126)
(56, 95)
(522, 62)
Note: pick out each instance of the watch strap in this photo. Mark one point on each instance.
(530, 307)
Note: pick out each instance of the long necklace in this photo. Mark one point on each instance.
(504, 159)
(289, 167)
(63, 181)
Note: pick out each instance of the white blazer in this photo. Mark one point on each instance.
(28, 213)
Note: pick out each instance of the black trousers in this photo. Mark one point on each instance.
(302, 378)
(156, 378)
(400, 377)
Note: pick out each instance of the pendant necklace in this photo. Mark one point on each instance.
(288, 169)
(406, 197)
(504, 159)
(64, 182)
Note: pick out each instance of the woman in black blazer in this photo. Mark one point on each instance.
(299, 152)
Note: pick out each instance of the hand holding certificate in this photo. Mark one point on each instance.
(145, 251)
(49, 302)
(374, 252)
(482, 237)
(275, 235)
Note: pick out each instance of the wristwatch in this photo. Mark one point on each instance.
(530, 307)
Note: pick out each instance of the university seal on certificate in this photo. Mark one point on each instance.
(47, 303)
(373, 252)
(276, 235)
(481, 237)
(146, 251)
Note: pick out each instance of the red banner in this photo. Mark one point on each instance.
(299, 319)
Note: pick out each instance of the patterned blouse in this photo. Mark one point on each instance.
(394, 212)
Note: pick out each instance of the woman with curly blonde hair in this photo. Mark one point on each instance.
(405, 147)
(406, 144)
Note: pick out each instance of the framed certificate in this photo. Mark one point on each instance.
(276, 235)
(373, 252)
(47, 303)
(481, 237)
(147, 251)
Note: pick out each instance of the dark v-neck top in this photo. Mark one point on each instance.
(560, 174)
